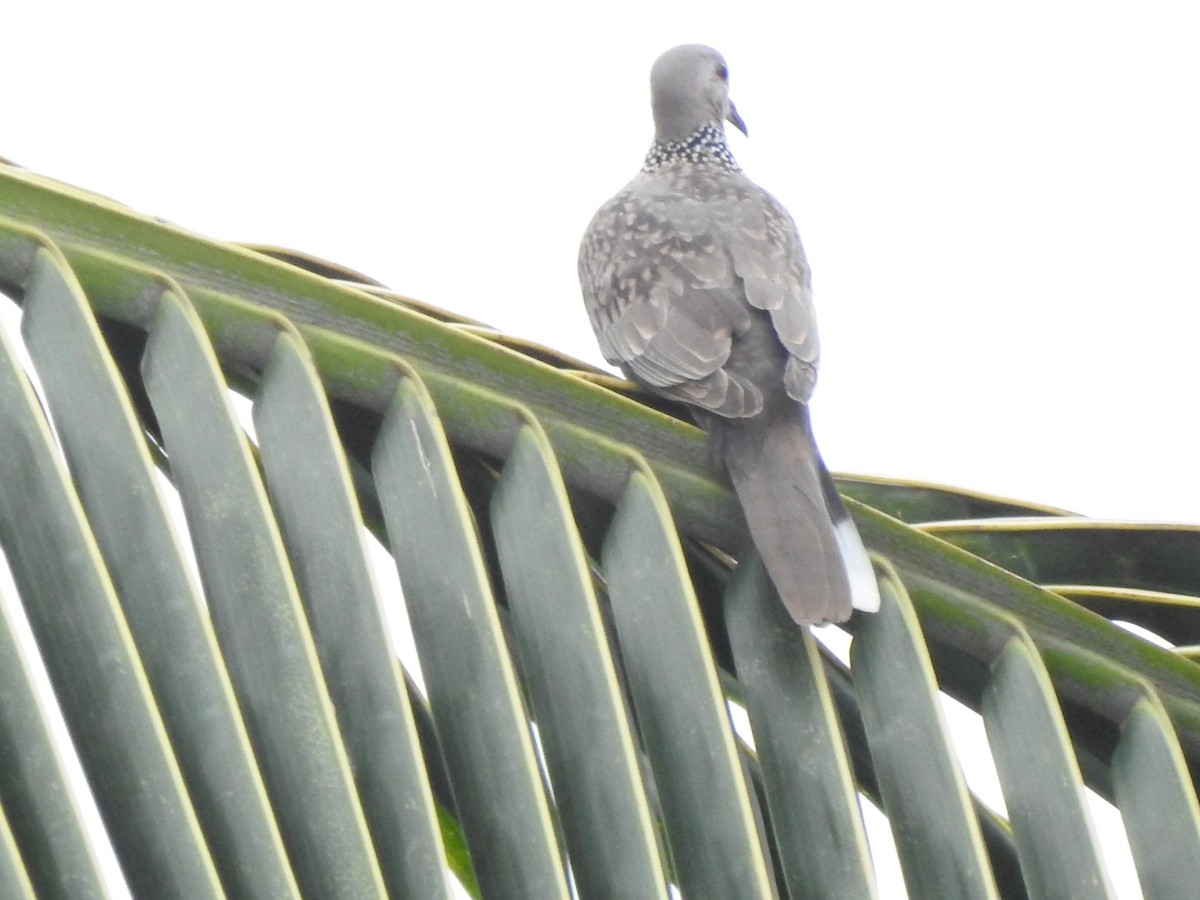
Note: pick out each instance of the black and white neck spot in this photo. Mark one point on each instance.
(705, 145)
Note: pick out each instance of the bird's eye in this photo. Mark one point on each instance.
(722, 73)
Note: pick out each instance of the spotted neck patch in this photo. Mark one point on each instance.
(705, 145)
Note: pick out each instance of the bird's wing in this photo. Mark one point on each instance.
(769, 259)
(670, 282)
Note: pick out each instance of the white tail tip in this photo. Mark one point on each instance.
(864, 589)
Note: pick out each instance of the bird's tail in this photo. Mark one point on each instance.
(799, 525)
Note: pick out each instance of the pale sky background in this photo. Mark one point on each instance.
(1000, 202)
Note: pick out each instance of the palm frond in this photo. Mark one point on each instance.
(581, 628)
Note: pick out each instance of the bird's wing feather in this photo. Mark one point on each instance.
(670, 283)
(770, 260)
(664, 300)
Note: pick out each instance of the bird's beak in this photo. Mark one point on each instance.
(735, 120)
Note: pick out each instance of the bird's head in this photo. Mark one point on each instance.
(689, 88)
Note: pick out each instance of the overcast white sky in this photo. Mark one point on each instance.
(999, 201)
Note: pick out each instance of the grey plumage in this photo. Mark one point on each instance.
(697, 286)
